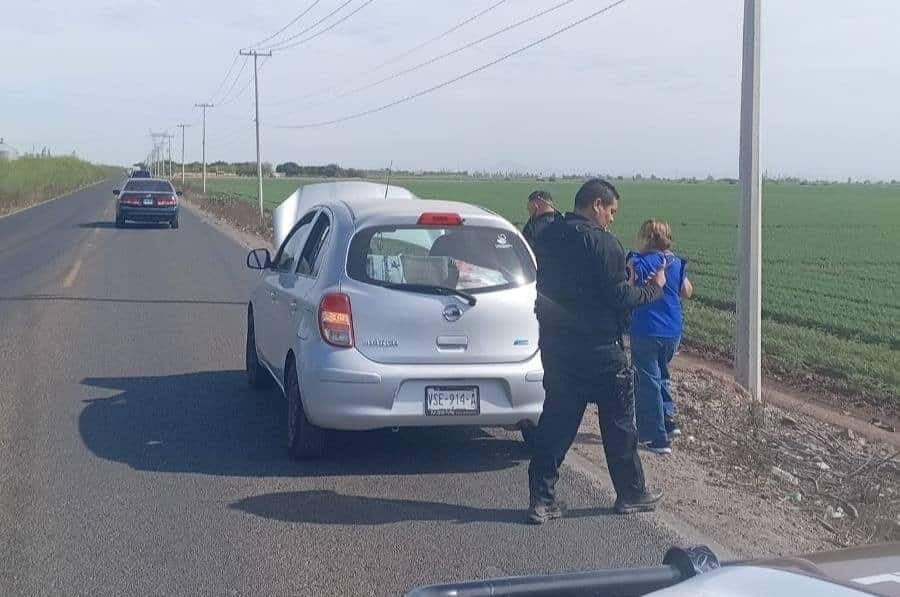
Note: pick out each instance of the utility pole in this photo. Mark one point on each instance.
(157, 151)
(256, 55)
(182, 127)
(748, 345)
(169, 151)
(204, 106)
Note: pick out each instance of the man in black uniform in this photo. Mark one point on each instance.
(541, 212)
(583, 307)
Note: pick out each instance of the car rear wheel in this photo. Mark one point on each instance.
(257, 375)
(305, 440)
(174, 222)
(120, 220)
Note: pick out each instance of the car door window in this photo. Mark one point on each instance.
(286, 260)
(310, 258)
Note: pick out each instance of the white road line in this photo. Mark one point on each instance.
(73, 273)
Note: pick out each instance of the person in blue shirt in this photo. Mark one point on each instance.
(656, 330)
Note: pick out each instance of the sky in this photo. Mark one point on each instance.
(651, 86)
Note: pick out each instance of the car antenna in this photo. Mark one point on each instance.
(387, 184)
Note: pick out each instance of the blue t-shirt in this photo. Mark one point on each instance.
(660, 318)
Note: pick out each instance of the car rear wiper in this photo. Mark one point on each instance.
(429, 289)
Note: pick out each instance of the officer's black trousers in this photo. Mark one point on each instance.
(569, 387)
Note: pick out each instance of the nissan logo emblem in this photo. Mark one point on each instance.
(452, 313)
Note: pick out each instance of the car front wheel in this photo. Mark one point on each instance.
(305, 440)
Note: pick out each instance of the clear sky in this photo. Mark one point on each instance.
(652, 86)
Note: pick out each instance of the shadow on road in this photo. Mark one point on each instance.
(133, 225)
(212, 423)
(106, 299)
(330, 507)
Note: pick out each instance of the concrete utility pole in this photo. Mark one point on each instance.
(169, 150)
(157, 152)
(748, 346)
(204, 106)
(256, 55)
(182, 127)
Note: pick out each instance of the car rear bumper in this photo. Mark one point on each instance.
(148, 214)
(344, 390)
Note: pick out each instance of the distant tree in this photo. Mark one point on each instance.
(266, 169)
(289, 169)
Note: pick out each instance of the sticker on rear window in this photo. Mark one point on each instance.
(502, 242)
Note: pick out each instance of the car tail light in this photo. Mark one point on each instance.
(440, 219)
(336, 320)
(130, 200)
(166, 200)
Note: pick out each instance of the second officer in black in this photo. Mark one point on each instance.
(583, 307)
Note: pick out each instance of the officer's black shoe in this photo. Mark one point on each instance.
(539, 513)
(643, 503)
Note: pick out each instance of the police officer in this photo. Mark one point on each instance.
(541, 212)
(583, 306)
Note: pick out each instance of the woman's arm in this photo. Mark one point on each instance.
(687, 289)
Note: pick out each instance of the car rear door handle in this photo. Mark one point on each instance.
(452, 342)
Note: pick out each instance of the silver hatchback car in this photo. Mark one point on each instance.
(382, 310)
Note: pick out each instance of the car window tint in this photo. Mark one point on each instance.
(309, 259)
(149, 186)
(470, 258)
(286, 260)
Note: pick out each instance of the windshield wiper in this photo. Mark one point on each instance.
(429, 289)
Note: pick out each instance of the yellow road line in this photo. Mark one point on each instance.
(73, 273)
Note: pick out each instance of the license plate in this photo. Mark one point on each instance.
(148, 201)
(451, 400)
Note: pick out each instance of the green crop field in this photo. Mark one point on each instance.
(28, 180)
(831, 263)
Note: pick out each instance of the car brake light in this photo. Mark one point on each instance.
(167, 200)
(129, 200)
(336, 320)
(440, 219)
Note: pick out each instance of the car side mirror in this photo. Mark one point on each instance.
(259, 259)
(115, 191)
(179, 193)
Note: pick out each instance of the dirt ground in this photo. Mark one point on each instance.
(789, 478)
(786, 484)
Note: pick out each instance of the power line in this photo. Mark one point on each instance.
(326, 29)
(227, 74)
(453, 52)
(464, 75)
(290, 23)
(308, 29)
(237, 78)
(246, 86)
(397, 57)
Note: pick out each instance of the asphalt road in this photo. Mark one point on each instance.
(134, 459)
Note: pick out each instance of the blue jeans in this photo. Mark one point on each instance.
(650, 357)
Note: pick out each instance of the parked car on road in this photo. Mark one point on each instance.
(147, 200)
(140, 173)
(382, 310)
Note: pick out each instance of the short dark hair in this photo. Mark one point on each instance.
(595, 188)
(540, 196)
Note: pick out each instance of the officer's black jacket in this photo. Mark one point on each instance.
(584, 300)
(537, 224)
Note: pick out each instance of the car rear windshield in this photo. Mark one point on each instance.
(149, 186)
(467, 258)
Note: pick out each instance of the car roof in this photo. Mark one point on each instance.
(375, 212)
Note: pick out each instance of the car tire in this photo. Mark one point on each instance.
(257, 375)
(174, 223)
(305, 440)
(120, 221)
